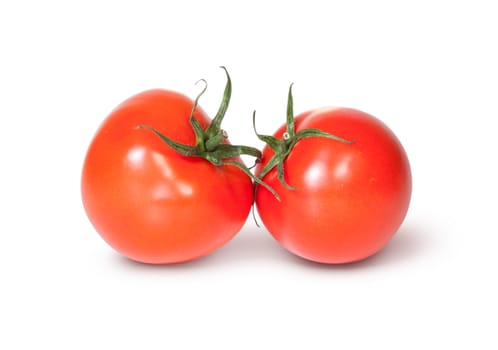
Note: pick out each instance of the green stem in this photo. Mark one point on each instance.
(210, 143)
(215, 125)
(283, 147)
(290, 114)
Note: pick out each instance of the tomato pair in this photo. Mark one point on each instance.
(162, 184)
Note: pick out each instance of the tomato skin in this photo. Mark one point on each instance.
(147, 201)
(350, 199)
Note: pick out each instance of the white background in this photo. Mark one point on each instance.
(428, 69)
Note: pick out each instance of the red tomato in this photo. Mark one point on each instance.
(151, 203)
(349, 199)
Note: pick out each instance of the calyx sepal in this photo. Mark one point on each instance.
(210, 143)
(283, 147)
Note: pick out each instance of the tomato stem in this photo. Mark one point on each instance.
(290, 116)
(215, 125)
(283, 147)
(211, 143)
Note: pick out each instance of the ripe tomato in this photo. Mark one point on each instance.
(348, 200)
(151, 203)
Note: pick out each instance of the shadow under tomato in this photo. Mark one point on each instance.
(407, 244)
(250, 245)
(256, 246)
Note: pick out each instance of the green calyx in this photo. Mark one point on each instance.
(210, 143)
(283, 147)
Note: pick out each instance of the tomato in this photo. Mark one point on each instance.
(152, 203)
(338, 202)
